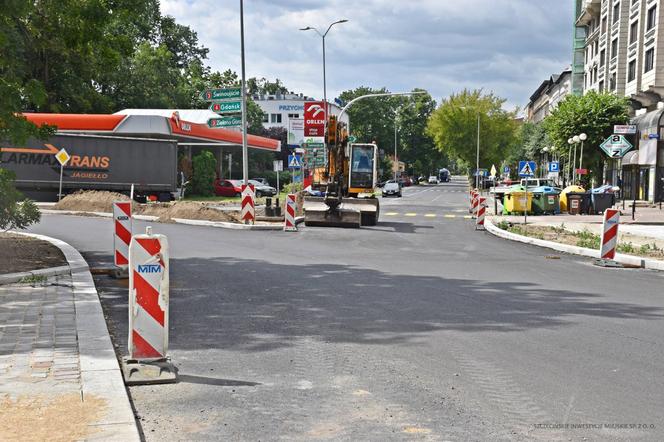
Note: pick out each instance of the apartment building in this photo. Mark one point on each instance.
(623, 53)
(547, 96)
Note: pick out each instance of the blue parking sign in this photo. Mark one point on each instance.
(506, 170)
(554, 166)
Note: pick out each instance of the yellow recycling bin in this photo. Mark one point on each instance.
(518, 201)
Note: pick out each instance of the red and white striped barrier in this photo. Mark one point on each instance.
(475, 202)
(289, 217)
(481, 213)
(122, 233)
(148, 296)
(609, 234)
(248, 204)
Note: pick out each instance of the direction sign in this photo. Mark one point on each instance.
(315, 145)
(554, 166)
(278, 165)
(616, 146)
(352, 139)
(624, 129)
(294, 162)
(224, 122)
(493, 171)
(226, 107)
(527, 168)
(229, 93)
(62, 156)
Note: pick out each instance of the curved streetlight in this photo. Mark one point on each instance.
(323, 35)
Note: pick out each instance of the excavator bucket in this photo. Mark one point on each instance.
(351, 213)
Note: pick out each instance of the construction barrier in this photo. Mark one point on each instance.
(609, 234)
(481, 213)
(122, 233)
(148, 296)
(289, 218)
(475, 202)
(248, 203)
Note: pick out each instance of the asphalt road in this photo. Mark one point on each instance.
(419, 328)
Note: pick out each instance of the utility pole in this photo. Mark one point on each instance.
(245, 152)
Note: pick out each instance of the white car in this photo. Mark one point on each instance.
(433, 179)
(392, 188)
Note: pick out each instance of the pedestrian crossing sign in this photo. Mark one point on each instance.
(527, 168)
(294, 162)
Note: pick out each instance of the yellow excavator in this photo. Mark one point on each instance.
(347, 182)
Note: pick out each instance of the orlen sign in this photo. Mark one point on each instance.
(314, 119)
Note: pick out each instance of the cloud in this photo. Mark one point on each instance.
(505, 46)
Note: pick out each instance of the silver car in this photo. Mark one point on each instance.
(391, 188)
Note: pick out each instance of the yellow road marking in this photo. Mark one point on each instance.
(411, 214)
(391, 214)
(450, 216)
(468, 217)
(430, 215)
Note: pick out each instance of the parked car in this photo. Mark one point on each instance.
(227, 187)
(433, 179)
(263, 189)
(405, 181)
(392, 188)
(263, 181)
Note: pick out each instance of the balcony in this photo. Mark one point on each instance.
(589, 9)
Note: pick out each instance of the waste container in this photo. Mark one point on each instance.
(584, 205)
(602, 198)
(563, 196)
(517, 201)
(546, 200)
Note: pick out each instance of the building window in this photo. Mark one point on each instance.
(612, 82)
(275, 118)
(602, 57)
(604, 21)
(631, 71)
(650, 60)
(616, 12)
(652, 18)
(266, 118)
(633, 32)
(293, 115)
(614, 48)
(601, 86)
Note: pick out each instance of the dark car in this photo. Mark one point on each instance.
(262, 189)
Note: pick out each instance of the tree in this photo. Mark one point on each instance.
(453, 126)
(205, 167)
(594, 114)
(264, 86)
(15, 211)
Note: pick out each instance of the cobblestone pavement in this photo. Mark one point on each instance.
(38, 343)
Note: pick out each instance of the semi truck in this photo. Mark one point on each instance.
(96, 163)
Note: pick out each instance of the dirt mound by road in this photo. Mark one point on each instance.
(186, 210)
(90, 201)
(20, 253)
(100, 201)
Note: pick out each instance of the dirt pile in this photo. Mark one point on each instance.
(90, 201)
(186, 210)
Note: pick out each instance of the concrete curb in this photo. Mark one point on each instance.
(190, 222)
(646, 263)
(10, 278)
(100, 372)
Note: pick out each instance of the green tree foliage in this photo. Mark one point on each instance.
(453, 126)
(205, 166)
(265, 86)
(15, 211)
(595, 115)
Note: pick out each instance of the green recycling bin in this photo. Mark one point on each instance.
(546, 200)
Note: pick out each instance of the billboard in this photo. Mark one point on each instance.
(314, 119)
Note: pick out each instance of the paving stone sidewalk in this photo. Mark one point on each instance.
(38, 343)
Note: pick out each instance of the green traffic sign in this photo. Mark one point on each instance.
(226, 107)
(352, 139)
(616, 146)
(224, 122)
(228, 93)
(315, 145)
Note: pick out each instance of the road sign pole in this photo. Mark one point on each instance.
(60, 188)
(245, 153)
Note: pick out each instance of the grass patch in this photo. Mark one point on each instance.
(33, 279)
(587, 239)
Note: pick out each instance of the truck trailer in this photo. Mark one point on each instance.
(97, 163)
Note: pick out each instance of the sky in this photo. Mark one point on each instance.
(503, 46)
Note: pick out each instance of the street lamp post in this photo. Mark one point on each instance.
(583, 137)
(570, 167)
(245, 152)
(311, 28)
